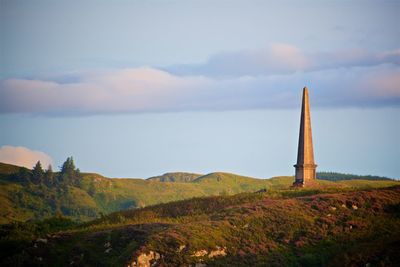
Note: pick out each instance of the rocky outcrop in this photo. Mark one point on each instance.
(41, 240)
(218, 252)
(107, 246)
(200, 253)
(152, 258)
(145, 260)
(181, 247)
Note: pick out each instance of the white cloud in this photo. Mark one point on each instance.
(22, 156)
(352, 78)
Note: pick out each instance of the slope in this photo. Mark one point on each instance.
(96, 195)
(296, 227)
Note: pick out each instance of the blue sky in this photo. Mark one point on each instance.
(139, 88)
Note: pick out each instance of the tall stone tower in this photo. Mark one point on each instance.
(305, 166)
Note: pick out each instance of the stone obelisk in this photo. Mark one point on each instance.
(305, 166)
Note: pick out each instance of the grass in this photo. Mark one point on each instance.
(98, 195)
(340, 226)
(327, 223)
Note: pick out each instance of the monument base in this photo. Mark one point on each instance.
(298, 184)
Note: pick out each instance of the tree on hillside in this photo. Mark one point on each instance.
(68, 166)
(69, 174)
(334, 176)
(49, 176)
(23, 175)
(37, 173)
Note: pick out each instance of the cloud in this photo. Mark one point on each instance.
(22, 156)
(126, 90)
(283, 59)
(247, 81)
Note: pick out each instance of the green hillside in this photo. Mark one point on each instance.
(91, 195)
(95, 194)
(321, 226)
(7, 169)
(180, 177)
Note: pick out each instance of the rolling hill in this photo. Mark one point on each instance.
(181, 177)
(318, 226)
(96, 195)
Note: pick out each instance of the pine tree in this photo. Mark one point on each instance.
(23, 176)
(37, 173)
(69, 174)
(68, 167)
(49, 176)
(77, 177)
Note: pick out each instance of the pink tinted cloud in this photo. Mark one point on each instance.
(149, 89)
(140, 89)
(282, 58)
(384, 83)
(22, 156)
(288, 56)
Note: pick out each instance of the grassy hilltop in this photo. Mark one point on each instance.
(185, 219)
(94, 194)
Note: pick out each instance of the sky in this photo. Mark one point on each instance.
(140, 88)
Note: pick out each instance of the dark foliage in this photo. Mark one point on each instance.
(23, 176)
(37, 173)
(69, 174)
(49, 177)
(335, 176)
(17, 237)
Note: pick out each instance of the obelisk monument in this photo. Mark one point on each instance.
(305, 166)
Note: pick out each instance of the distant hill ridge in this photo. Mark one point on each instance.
(181, 177)
(335, 176)
(94, 194)
(185, 177)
